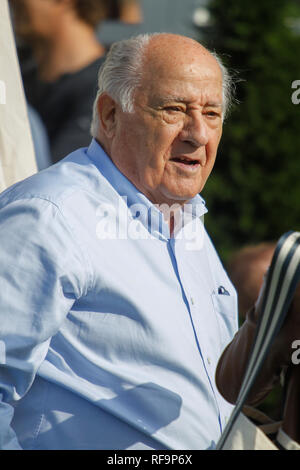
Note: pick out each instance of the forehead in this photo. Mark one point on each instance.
(186, 71)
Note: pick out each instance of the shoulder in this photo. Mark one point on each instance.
(74, 175)
(47, 215)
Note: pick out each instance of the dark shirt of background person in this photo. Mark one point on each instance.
(59, 78)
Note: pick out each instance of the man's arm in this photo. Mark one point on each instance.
(41, 275)
(233, 362)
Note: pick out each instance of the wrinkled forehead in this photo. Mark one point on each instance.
(179, 60)
(187, 70)
(169, 54)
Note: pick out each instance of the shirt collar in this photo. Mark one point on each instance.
(139, 205)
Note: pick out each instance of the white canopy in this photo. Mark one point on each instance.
(17, 158)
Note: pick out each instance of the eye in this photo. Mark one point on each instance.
(213, 114)
(176, 109)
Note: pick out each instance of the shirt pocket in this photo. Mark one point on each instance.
(225, 307)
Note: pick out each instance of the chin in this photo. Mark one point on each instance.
(179, 198)
(186, 195)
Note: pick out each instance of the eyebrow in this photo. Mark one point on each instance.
(180, 99)
(165, 100)
(214, 104)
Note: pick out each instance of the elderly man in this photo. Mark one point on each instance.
(114, 305)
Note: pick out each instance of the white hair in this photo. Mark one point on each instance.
(121, 74)
(228, 85)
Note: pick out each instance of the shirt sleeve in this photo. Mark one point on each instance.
(42, 273)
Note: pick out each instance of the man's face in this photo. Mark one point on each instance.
(167, 146)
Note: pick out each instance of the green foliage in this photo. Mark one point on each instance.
(253, 194)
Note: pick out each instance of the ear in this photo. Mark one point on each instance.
(107, 114)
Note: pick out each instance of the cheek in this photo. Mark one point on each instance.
(218, 138)
(145, 145)
(165, 141)
(157, 145)
(212, 147)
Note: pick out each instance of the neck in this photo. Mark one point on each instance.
(73, 47)
(171, 209)
(171, 214)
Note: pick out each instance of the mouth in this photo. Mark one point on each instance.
(186, 163)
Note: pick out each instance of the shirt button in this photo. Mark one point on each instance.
(192, 301)
(209, 360)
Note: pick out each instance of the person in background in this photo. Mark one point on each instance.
(246, 269)
(60, 85)
(279, 378)
(127, 11)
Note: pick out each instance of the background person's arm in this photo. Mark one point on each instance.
(233, 362)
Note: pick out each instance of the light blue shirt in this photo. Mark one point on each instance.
(110, 329)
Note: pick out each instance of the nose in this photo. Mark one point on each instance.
(194, 130)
